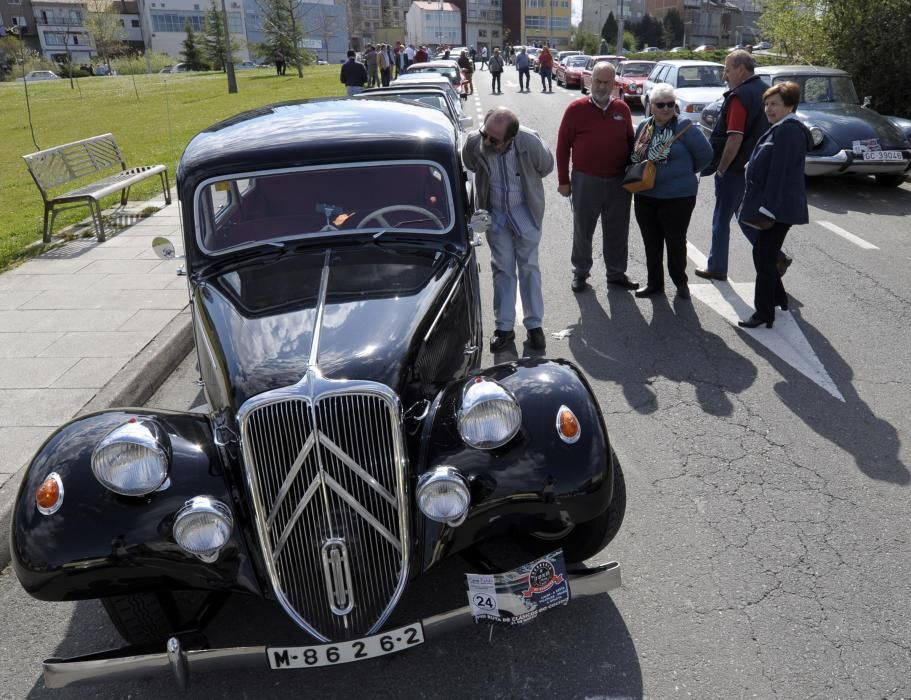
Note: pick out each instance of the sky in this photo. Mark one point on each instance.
(577, 11)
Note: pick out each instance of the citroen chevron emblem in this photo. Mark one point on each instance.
(338, 576)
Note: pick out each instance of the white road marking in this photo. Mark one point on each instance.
(734, 301)
(848, 236)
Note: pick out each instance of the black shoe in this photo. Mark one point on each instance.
(783, 263)
(536, 339)
(649, 291)
(709, 275)
(624, 282)
(754, 322)
(501, 339)
(683, 291)
(783, 304)
(579, 284)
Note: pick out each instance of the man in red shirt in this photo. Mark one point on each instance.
(598, 132)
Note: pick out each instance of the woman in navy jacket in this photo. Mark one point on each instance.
(775, 198)
(663, 212)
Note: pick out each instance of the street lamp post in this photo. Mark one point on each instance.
(619, 50)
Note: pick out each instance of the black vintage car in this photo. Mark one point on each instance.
(351, 441)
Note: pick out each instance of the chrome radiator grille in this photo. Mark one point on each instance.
(328, 481)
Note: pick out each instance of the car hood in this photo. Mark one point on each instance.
(357, 313)
(846, 123)
(702, 95)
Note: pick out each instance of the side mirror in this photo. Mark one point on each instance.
(164, 249)
(465, 122)
(480, 221)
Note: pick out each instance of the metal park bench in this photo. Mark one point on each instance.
(54, 167)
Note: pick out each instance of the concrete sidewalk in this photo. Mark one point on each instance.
(83, 327)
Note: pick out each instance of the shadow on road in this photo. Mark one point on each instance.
(626, 349)
(583, 649)
(852, 425)
(854, 193)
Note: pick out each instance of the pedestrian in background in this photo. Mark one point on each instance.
(483, 57)
(597, 131)
(279, 58)
(495, 65)
(409, 55)
(523, 67)
(353, 75)
(545, 69)
(739, 125)
(370, 58)
(510, 163)
(680, 152)
(775, 198)
(466, 66)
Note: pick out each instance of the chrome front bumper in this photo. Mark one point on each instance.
(119, 664)
(847, 162)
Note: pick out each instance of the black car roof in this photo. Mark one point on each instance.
(319, 131)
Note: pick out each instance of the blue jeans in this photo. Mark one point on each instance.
(728, 196)
(514, 261)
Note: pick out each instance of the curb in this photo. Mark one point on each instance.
(131, 386)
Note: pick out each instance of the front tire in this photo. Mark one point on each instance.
(149, 619)
(890, 180)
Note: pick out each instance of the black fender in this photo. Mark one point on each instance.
(99, 543)
(536, 482)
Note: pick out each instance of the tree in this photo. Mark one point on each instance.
(798, 29)
(868, 38)
(214, 41)
(673, 28)
(191, 53)
(586, 42)
(284, 29)
(648, 31)
(609, 30)
(103, 23)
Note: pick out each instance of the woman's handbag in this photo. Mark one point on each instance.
(641, 176)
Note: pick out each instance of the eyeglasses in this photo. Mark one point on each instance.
(490, 139)
(663, 105)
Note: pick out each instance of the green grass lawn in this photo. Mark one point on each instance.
(153, 117)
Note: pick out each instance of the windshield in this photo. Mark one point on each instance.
(700, 76)
(824, 88)
(636, 70)
(576, 61)
(255, 208)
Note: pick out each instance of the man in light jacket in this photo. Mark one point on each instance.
(510, 163)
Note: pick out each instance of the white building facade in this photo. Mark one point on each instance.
(62, 34)
(164, 20)
(484, 24)
(433, 24)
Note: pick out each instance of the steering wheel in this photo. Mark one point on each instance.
(378, 214)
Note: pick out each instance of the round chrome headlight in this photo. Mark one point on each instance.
(490, 415)
(203, 526)
(133, 460)
(443, 495)
(817, 134)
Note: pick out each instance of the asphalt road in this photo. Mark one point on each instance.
(765, 551)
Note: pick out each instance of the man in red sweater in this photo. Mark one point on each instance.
(598, 132)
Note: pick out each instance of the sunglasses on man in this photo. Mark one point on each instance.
(663, 105)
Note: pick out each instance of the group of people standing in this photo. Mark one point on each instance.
(756, 154)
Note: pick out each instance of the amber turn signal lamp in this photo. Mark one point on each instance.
(49, 495)
(568, 427)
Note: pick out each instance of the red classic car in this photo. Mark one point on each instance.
(587, 69)
(569, 70)
(630, 76)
